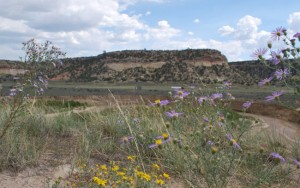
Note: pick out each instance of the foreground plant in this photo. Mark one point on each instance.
(283, 61)
(116, 174)
(40, 59)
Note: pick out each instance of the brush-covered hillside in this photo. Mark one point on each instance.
(186, 66)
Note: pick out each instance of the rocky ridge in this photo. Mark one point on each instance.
(187, 66)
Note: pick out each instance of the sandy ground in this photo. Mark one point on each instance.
(39, 177)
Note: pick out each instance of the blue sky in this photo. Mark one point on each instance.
(89, 27)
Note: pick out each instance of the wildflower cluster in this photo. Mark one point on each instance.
(282, 61)
(115, 174)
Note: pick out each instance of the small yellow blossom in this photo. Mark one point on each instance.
(232, 141)
(156, 166)
(115, 168)
(121, 173)
(214, 149)
(103, 167)
(160, 182)
(158, 142)
(165, 135)
(157, 101)
(167, 176)
(100, 181)
(131, 158)
(146, 176)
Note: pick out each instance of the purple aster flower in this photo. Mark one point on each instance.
(216, 96)
(220, 123)
(210, 143)
(277, 33)
(275, 95)
(172, 113)
(227, 84)
(297, 35)
(202, 99)
(280, 74)
(259, 53)
(206, 119)
(160, 103)
(233, 142)
(276, 156)
(181, 94)
(276, 57)
(296, 162)
(247, 105)
(265, 81)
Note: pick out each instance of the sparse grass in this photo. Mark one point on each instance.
(101, 137)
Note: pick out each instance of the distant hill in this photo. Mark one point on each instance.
(189, 66)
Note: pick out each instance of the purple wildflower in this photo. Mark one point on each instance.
(277, 33)
(227, 84)
(259, 53)
(160, 103)
(172, 114)
(220, 124)
(247, 105)
(281, 73)
(276, 57)
(206, 119)
(265, 81)
(276, 156)
(297, 35)
(181, 94)
(201, 100)
(296, 162)
(275, 95)
(210, 143)
(233, 142)
(216, 96)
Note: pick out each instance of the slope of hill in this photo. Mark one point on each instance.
(189, 66)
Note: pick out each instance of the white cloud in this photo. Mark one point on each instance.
(196, 21)
(190, 33)
(147, 13)
(226, 30)
(294, 22)
(163, 32)
(18, 26)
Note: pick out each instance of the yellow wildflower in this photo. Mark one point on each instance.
(165, 135)
(103, 167)
(100, 181)
(131, 158)
(146, 176)
(156, 166)
(121, 173)
(214, 149)
(158, 142)
(157, 101)
(160, 182)
(115, 168)
(167, 176)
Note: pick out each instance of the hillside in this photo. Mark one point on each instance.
(189, 66)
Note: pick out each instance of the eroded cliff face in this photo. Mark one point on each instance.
(142, 65)
(188, 66)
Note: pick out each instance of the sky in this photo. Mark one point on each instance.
(89, 27)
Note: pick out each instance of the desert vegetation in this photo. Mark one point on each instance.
(189, 137)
